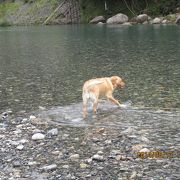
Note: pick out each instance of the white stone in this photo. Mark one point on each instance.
(31, 163)
(20, 147)
(32, 117)
(49, 167)
(98, 157)
(144, 150)
(38, 136)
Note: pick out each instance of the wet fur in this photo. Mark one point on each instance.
(98, 88)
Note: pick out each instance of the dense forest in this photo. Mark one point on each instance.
(36, 11)
(129, 7)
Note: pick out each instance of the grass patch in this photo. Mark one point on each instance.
(7, 9)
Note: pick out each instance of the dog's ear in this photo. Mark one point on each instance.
(114, 80)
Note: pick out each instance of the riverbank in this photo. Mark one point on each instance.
(73, 12)
(107, 146)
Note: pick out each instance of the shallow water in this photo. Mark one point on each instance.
(160, 127)
(46, 66)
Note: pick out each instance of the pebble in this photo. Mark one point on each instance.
(144, 150)
(20, 147)
(16, 164)
(53, 132)
(133, 175)
(65, 166)
(32, 117)
(83, 165)
(38, 136)
(100, 152)
(74, 157)
(49, 167)
(97, 157)
(32, 163)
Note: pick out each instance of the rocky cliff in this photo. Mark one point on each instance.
(40, 12)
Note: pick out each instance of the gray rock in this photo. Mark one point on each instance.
(38, 136)
(118, 19)
(142, 18)
(97, 19)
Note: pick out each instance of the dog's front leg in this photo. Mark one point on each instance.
(111, 98)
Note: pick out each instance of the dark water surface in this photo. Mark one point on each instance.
(46, 66)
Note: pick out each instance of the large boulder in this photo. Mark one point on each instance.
(118, 19)
(178, 20)
(97, 19)
(142, 18)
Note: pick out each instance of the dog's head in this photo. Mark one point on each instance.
(117, 82)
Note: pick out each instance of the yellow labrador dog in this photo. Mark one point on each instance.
(98, 88)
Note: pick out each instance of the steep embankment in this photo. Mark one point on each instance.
(39, 12)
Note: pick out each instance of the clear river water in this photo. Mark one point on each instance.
(46, 66)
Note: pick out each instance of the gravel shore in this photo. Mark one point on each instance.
(33, 148)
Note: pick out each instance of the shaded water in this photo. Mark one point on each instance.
(46, 66)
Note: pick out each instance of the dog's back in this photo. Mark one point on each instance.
(88, 90)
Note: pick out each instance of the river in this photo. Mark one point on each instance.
(42, 71)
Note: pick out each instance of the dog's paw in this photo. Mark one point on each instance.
(122, 106)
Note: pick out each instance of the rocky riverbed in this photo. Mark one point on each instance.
(58, 144)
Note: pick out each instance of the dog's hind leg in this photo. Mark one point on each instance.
(95, 107)
(85, 100)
